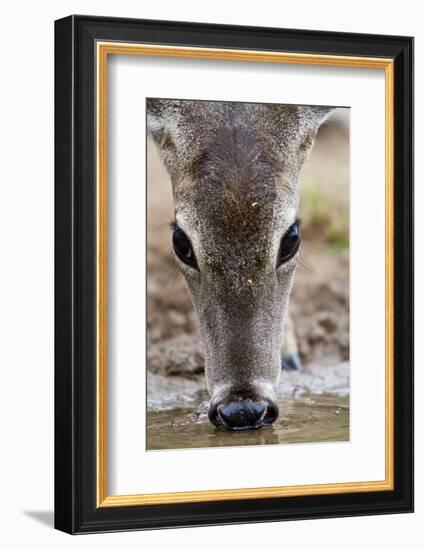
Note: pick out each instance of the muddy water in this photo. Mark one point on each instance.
(307, 419)
(314, 407)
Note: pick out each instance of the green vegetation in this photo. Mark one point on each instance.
(325, 215)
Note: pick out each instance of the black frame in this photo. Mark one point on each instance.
(75, 274)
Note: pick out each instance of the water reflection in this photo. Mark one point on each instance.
(306, 419)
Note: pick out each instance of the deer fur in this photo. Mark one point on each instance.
(235, 169)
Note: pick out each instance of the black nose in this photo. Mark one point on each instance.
(243, 415)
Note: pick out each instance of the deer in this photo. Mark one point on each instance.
(236, 237)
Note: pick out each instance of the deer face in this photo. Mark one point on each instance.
(236, 236)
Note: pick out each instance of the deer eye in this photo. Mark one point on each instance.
(182, 246)
(289, 244)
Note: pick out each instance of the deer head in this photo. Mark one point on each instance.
(235, 169)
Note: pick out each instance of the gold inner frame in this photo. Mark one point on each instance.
(103, 50)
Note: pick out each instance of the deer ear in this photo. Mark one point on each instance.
(156, 118)
(312, 116)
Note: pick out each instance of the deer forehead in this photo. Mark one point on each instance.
(236, 182)
(235, 149)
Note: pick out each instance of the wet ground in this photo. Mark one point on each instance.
(314, 406)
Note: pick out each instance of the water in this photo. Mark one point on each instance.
(310, 417)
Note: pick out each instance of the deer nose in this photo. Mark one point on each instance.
(243, 415)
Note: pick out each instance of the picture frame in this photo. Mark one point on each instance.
(83, 45)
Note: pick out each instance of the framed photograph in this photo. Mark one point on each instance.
(234, 274)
